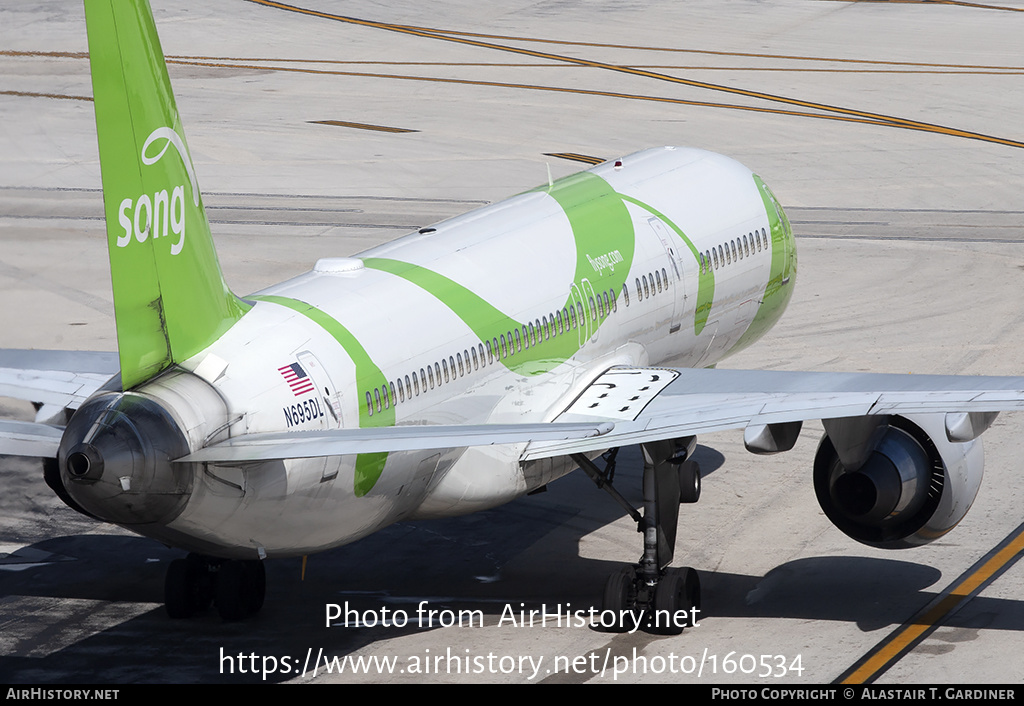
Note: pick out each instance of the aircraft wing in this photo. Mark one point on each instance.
(57, 378)
(250, 448)
(650, 404)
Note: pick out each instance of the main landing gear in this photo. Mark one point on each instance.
(650, 594)
(236, 587)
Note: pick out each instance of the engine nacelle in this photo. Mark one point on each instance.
(913, 488)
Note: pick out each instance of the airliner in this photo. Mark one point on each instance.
(455, 369)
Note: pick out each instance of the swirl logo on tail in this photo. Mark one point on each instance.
(159, 213)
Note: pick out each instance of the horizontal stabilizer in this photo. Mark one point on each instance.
(28, 439)
(341, 442)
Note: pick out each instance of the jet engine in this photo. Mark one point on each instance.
(895, 482)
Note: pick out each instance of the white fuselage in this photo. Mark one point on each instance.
(497, 316)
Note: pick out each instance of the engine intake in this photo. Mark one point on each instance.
(912, 488)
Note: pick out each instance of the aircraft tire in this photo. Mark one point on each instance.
(179, 593)
(689, 482)
(241, 587)
(678, 590)
(620, 598)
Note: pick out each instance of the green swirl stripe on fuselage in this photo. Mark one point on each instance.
(368, 376)
(602, 230)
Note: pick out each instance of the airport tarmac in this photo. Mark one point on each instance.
(897, 152)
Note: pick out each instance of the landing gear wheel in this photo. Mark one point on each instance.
(676, 596)
(669, 600)
(620, 599)
(689, 482)
(256, 575)
(692, 593)
(187, 588)
(178, 590)
(241, 586)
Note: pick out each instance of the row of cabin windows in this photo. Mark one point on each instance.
(648, 285)
(483, 354)
(733, 251)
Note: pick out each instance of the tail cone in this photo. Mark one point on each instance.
(115, 460)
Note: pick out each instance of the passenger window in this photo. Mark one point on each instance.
(376, 397)
(437, 370)
(430, 374)
(497, 351)
(394, 399)
(476, 362)
(647, 292)
(625, 294)
(593, 309)
(483, 361)
(519, 341)
(615, 302)
(504, 347)
(369, 404)
(600, 306)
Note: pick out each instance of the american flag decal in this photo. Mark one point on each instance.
(297, 379)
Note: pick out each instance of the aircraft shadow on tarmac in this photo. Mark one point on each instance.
(524, 552)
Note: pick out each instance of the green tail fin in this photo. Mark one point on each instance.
(170, 298)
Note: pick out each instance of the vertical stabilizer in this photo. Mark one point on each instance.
(170, 298)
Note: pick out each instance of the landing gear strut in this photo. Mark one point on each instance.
(669, 597)
(237, 587)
